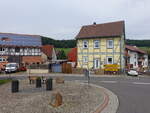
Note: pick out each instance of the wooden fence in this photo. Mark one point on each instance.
(66, 68)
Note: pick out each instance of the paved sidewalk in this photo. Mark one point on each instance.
(108, 104)
(24, 75)
(56, 74)
(77, 98)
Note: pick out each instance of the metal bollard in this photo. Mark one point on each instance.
(15, 86)
(38, 83)
(49, 84)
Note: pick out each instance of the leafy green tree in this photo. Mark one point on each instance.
(59, 43)
(138, 43)
(147, 49)
(61, 55)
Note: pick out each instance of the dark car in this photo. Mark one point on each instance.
(22, 68)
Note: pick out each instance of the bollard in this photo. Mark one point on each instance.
(15, 86)
(38, 82)
(49, 84)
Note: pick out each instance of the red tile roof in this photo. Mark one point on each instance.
(72, 55)
(48, 50)
(102, 30)
(134, 48)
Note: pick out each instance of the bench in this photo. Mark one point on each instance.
(32, 79)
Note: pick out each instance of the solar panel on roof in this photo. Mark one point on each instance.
(20, 40)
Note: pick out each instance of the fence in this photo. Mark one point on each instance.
(45, 68)
(38, 66)
(66, 68)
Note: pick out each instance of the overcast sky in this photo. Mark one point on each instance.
(62, 19)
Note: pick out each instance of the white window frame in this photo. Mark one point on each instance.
(108, 44)
(85, 59)
(2, 49)
(95, 46)
(135, 56)
(2, 59)
(17, 51)
(108, 61)
(95, 63)
(85, 41)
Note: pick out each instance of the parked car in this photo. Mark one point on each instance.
(11, 67)
(22, 68)
(132, 72)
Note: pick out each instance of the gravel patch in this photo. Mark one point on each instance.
(77, 98)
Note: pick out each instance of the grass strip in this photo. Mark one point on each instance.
(4, 81)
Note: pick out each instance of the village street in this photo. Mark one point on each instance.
(133, 92)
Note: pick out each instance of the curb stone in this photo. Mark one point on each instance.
(110, 104)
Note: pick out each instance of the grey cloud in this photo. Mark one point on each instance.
(62, 19)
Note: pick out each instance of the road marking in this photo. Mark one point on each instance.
(109, 81)
(142, 83)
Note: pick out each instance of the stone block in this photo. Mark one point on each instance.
(60, 80)
(56, 99)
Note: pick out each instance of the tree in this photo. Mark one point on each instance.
(139, 43)
(146, 49)
(61, 55)
(59, 43)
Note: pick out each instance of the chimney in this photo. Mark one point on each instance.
(94, 23)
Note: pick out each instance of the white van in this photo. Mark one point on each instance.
(11, 67)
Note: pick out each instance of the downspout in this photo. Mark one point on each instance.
(124, 38)
(122, 50)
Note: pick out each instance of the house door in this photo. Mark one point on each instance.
(96, 63)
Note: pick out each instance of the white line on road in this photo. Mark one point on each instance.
(141, 83)
(109, 81)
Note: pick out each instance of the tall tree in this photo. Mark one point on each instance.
(61, 55)
(59, 43)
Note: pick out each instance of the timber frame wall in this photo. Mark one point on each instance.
(117, 52)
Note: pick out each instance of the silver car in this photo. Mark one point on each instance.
(11, 67)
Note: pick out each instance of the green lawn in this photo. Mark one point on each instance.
(4, 81)
(66, 50)
(147, 49)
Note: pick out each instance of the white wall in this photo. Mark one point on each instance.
(54, 57)
(23, 51)
(134, 58)
(145, 61)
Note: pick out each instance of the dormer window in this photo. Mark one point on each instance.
(85, 44)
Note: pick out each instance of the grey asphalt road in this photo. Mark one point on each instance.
(133, 92)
